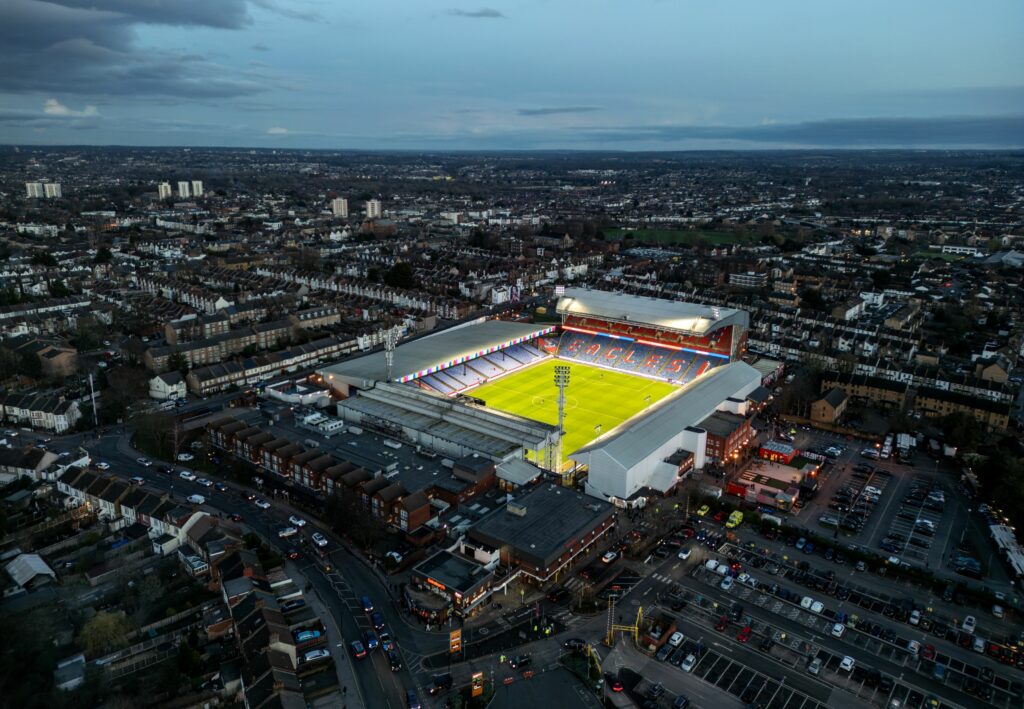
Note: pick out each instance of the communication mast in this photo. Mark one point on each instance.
(390, 342)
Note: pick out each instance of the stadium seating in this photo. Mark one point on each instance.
(449, 381)
(437, 385)
(485, 367)
(464, 375)
(537, 354)
(523, 355)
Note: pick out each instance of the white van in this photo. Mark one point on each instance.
(196, 499)
(711, 564)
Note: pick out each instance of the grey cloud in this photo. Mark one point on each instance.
(286, 8)
(484, 13)
(89, 47)
(557, 110)
(990, 131)
(260, 47)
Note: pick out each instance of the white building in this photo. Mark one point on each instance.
(164, 190)
(169, 385)
(373, 209)
(197, 188)
(34, 190)
(339, 207)
(52, 190)
(184, 190)
(635, 455)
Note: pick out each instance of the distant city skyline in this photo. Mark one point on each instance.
(567, 74)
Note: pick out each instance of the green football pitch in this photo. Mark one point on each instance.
(596, 400)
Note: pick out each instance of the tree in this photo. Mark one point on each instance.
(59, 289)
(44, 258)
(103, 255)
(961, 430)
(178, 362)
(400, 276)
(104, 632)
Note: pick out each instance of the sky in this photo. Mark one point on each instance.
(513, 74)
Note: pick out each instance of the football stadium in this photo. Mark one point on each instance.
(643, 373)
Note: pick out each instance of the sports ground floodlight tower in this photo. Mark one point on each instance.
(390, 342)
(561, 381)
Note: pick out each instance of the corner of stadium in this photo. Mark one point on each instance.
(643, 374)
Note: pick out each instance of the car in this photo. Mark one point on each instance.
(719, 517)
(684, 553)
(726, 583)
(711, 564)
(928, 652)
(394, 660)
(377, 619)
(294, 554)
(144, 462)
(319, 539)
(997, 611)
(915, 617)
(235, 517)
(318, 654)
(800, 543)
(204, 482)
(655, 690)
(722, 623)
(615, 685)
(358, 651)
(558, 595)
(304, 636)
(184, 457)
(137, 480)
(367, 604)
(688, 662)
(575, 644)
(969, 624)
(285, 532)
(610, 556)
(663, 653)
(293, 604)
(187, 475)
(370, 640)
(196, 499)
(220, 487)
(261, 503)
(443, 682)
(837, 630)
(817, 607)
(250, 495)
(703, 510)
(411, 701)
(814, 667)
(681, 702)
(847, 664)
(519, 661)
(808, 548)
(744, 635)
(676, 639)
(297, 521)
(103, 465)
(766, 644)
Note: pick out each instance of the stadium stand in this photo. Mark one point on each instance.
(485, 367)
(660, 362)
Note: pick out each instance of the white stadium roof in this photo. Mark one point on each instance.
(440, 349)
(632, 441)
(676, 315)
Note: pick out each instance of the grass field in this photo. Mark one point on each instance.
(683, 236)
(594, 397)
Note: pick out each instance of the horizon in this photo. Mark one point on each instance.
(572, 75)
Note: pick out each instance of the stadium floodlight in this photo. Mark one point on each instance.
(561, 381)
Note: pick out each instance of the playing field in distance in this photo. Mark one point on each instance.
(594, 397)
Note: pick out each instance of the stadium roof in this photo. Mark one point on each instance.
(438, 350)
(632, 441)
(667, 314)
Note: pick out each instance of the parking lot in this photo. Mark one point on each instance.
(918, 518)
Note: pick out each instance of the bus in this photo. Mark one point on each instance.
(735, 520)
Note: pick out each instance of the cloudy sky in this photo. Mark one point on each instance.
(513, 74)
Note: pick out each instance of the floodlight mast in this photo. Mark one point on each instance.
(561, 381)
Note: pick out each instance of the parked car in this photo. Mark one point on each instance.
(187, 475)
(196, 499)
(676, 639)
(286, 532)
(688, 663)
(847, 664)
(439, 683)
(319, 539)
(318, 654)
(297, 521)
(969, 624)
(814, 667)
(519, 662)
(358, 651)
(304, 636)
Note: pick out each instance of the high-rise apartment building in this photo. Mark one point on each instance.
(339, 207)
(197, 188)
(34, 190)
(164, 190)
(373, 210)
(183, 189)
(52, 190)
